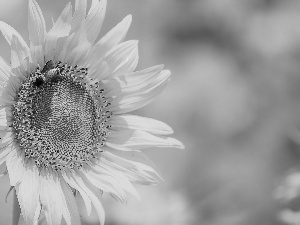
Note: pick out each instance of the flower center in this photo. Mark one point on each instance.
(60, 117)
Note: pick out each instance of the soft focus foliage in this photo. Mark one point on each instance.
(234, 101)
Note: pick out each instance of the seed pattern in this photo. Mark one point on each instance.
(61, 116)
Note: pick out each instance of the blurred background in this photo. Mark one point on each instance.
(234, 101)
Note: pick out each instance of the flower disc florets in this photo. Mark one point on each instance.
(60, 117)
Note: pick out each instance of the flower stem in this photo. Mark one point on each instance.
(16, 209)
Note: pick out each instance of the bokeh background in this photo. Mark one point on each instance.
(234, 101)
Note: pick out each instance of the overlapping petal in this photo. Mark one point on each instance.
(85, 197)
(8, 32)
(6, 145)
(102, 175)
(57, 36)
(70, 210)
(135, 97)
(15, 165)
(5, 151)
(134, 164)
(19, 58)
(50, 194)
(5, 71)
(27, 191)
(20, 52)
(93, 22)
(89, 189)
(37, 31)
(133, 122)
(138, 139)
(118, 60)
(36, 24)
(8, 84)
(85, 36)
(79, 14)
(104, 182)
(8, 90)
(111, 39)
(5, 118)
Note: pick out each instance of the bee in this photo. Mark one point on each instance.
(49, 72)
(48, 67)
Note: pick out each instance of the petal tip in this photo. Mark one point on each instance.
(166, 73)
(133, 43)
(128, 19)
(177, 144)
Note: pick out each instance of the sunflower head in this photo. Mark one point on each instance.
(59, 118)
(65, 125)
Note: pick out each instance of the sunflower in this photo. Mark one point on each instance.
(64, 122)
